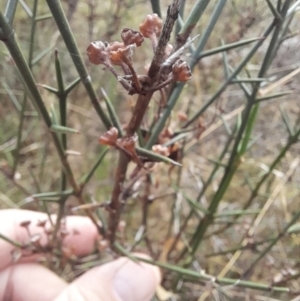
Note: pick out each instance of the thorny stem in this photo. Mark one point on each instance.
(172, 15)
(236, 154)
(136, 120)
(30, 84)
(145, 212)
(58, 14)
(255, 192)
(24, 104)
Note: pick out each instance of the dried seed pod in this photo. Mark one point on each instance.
(97, 52)
(122, 55)
(181, 71)
(152, 25)
(130, 36)
(110, 137)
(161, 150)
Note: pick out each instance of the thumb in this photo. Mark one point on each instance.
(120, 280)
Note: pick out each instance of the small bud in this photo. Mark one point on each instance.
(97, 52)
(152, 25)
(130, 36)
(161, 150)
(181, 71)
(110, 137)
(122, 55)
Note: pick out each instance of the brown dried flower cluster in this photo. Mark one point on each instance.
(171, 69)
(121, 54)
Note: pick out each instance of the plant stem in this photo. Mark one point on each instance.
(30, 55)
(156, 7)
(136, 120)
(205, 277)
(65, 30)
(30, 84)
(10, 10)
(232, 166)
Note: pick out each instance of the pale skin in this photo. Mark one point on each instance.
(26, 280)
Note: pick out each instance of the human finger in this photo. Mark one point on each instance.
(120, 280)
(27, 282)
(80, 233)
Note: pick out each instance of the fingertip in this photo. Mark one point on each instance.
(79, 239)
(122, 279)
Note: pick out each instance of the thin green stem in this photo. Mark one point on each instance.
(10, 10)
(191, 21)
(234, 160)
(22, 117)
(65, 30)
(85, 179)
(255, 191)
(273, 242)
(156, 7)
(30, 84)
(205, 277)
(62, 98)
(225, 48)
(231, 77)
(193, 18)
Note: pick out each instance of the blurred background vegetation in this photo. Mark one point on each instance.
(240, 230)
